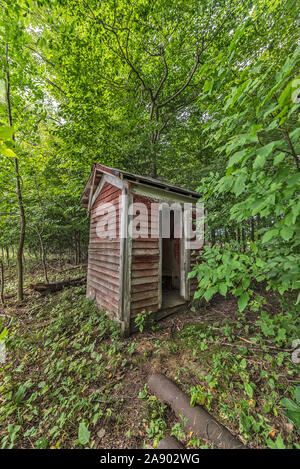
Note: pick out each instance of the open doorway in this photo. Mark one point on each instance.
(171, 268)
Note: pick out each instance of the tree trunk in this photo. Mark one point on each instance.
(43, 254)
(2, 282)
(252, 229)
(19, 193)
(7, 254)
(213, 237)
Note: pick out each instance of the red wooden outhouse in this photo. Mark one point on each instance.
(134, 266)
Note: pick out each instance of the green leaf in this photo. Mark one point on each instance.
(243, 301)
(279, 158)
(239, 184)
(297, 394)
(277, 444)
(249, 390)
(7, 152)
(286, 232)
(42, 443)
(6, 132)
(269, 235)
(223, 289)
(236, 158)
(83, 434)
(263, 154)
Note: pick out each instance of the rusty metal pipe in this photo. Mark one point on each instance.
(198, 420)
(170, 442)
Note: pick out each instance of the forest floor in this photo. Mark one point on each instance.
(70, 380)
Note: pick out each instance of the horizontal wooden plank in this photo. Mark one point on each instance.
(144, 287)
(144, 295)
(143, 260)
(110, 269)
(108, 197)
(108, 258)
(104, 277)
(107, 243)
(105, 217)
(144, 273)
(104, 284)
(113, 248)
(110, 235)
(141, 304)
(141, 280)
(106, 305)
(148, 309)
(144, 240)
(104, 291)
(143, 252)
(142, 266)
(140, 244)
(101, 212)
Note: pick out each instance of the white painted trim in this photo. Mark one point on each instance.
(110, 179)
(185, 257)
(97, 192)
(160, 194)
(123, 211)
(91, 191)
(160, 258)
(127, 261)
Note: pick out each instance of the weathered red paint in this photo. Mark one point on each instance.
(145, 263)
(104, 255)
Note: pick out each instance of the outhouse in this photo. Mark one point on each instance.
(139, 251)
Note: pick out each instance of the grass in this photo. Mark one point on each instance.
(71, 380)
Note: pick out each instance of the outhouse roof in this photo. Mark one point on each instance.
(98, 170)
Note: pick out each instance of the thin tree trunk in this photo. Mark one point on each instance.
(79, 249)
(252, 229)
(213, 237)
(43, 254)
(19, 194)
(7, 254)
(2, 282)
(243, 242)
(239, 237)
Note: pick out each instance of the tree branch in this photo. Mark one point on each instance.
(183, 87)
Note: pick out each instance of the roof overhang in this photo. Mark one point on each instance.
(145, 181)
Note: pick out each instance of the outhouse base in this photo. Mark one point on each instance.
(172, 303)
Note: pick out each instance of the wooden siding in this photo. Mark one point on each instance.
(104, 253)
(144, 294)
(195, 258)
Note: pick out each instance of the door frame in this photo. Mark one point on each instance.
(184, 261)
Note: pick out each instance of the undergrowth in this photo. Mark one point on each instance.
(70, 380)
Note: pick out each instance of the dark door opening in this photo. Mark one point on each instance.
(171, 275)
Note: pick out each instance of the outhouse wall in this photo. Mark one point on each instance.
(145, 263)
(103, 278)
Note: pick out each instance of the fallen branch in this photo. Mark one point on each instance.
(45, 288)
(1, 282)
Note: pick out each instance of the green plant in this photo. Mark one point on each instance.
(142, 319)
(200, 396)
(277, 444)
(292, 409)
